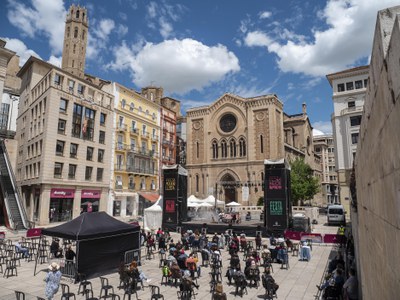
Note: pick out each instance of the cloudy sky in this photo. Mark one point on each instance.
(199, 50)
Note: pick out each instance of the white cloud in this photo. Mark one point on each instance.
(265, 15)
(316, 132)
(42, 18)
(55, 60)
(104, 28)
(122, 30)
(165, 28)
(323, 126)
(191, 65)
(20, 48)
(346, 39)
(257, 38)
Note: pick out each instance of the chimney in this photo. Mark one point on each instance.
(304, 106)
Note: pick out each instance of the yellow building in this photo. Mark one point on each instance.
(135, 164)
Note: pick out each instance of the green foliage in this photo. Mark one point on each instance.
(303, 184)
(260, 201)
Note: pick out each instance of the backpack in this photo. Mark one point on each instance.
(166, 271)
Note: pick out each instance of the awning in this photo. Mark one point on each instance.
(152, 197)
(124, 194)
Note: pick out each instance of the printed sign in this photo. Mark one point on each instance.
(275, 183)
(276, 208)
(170, 206)
(170, 184)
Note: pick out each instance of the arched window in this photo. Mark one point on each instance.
(197, 149)
(242, 147)
(132, 106)
(74, 49)
(76, 32)
(261, 143)
(197, 183)
(123, 103)
(68, 31)
(83, 16)
(77, 14)
(83, 34)
(232, 146)
(215, 149)
(224, 149)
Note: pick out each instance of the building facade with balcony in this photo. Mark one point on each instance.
(64, 143)
(349, 90)
(325, 147)
(135, 164)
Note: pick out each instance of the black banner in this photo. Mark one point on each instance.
(170, 197)
(276, 197)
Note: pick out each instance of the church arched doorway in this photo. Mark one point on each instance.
(229, 188)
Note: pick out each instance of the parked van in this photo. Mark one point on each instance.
(336, 215)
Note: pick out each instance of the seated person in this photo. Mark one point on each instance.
(240, 282)
(187, 285)
(269, 282)
(334, 262)
(191, 265)
(258, 241)
(55, 249)
(175, 271)
(137, 274)
(272, 240)
(336, 280)
(23, 250)
(235, 261)
(219, 292)
(69, 253)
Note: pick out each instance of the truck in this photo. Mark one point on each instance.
(336, 215)
(301, 223)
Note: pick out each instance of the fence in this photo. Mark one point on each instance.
(132, 255)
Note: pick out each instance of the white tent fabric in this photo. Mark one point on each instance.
(233, 203)
(153, 216)
(211, 200)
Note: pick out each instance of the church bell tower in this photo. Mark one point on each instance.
(75, 41)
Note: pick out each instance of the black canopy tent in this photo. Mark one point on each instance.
(101, 241)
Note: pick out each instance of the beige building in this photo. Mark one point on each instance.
(376, 206)
(349, 88)
(136, 161)
(325, 147)
(228, 141)
(64, 136)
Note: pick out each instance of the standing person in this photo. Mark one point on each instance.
(219, 292)
(350, 287)
(52, 280)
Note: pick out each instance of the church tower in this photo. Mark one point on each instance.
(75, 41)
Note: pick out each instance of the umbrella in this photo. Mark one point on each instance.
(233, 203)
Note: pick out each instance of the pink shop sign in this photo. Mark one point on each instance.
(90, 194)
(62, 193)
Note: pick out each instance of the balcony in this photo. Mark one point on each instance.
(119, 167)
(145, 134)
(165, 142)
(120, 146)
(131, 186)
(121, 127)
(154, 137)
(350, 110)
(118, 185)
(134, 131)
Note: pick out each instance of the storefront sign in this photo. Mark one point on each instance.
(62, 193)
(91, 194)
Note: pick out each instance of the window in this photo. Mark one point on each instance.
(68, 31)
(197, 149)
(81, 88)
(73, 150)
(133, 126)
(131, 106)
(154, 116)
(61, 126)
(131, 183)
(118, 182)
(261, 144)
(71, 171)
(215, 149)
(63, 105)
(144, 129)
(88, 124)
(77, 120)
(102, 137)
(197, 183)
(354, 138)
(318, 149)
(232, 147)
(58, 167)
(242, 147)
(120, 162)
(71, 85)
(365, 82)
(102, 119)
(89, 153)
(140, 109)
(227, 123)
(153, 185)
(57, 79)
(88, 173)
(83, 34)
(144, 147)
(99, 175)
(100, 155)
(349, 86)
(76, 32)
(77, 14)
(224, 152)
(143, 184)
(355, 120)
(60, 148)
(123, 103)
(340, 87)
(359, 84)
(351, 104)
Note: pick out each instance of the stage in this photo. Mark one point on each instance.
(248, 227)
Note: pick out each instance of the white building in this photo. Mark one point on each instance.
(349, 88)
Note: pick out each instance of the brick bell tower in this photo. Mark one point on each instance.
(75, 41)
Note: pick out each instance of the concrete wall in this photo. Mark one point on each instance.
(378, 166)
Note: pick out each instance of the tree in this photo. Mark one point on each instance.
(260, 201)
(304, 184)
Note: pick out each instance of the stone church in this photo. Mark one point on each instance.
(228, 141)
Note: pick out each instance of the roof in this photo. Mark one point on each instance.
(348, 72)
(89, 226)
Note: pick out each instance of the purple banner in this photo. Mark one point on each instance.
(334, 238)
(292, 235)
(33, 232)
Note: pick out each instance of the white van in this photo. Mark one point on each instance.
(336, 215)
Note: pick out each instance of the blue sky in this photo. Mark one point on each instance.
(199, 49)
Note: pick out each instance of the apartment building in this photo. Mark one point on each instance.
(136, 152)
(349, 89)
(324, 146)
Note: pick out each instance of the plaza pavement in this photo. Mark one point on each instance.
(298, 282)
